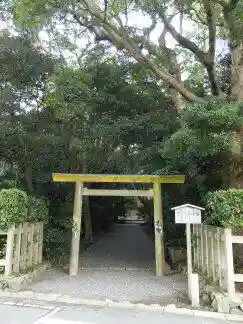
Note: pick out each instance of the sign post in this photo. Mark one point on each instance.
(190, 214)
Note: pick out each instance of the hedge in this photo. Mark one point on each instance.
(17, 207)
(225, 208)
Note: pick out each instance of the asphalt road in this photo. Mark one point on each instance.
(29, 312)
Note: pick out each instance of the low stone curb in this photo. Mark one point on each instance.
(16, 282)
(171, 309)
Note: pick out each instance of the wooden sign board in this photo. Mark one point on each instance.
(188, 214)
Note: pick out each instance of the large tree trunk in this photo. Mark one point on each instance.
(237, 95)
(28, 178)
(237, 71)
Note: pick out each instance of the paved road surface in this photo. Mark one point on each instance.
(39, 313)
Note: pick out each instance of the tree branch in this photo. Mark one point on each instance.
(183, 41)
(207, 59)
(164, 32)
(198, 19)
(146, 44)
(93, 29)
(159, 72)
(123, 41)
(147, 31)
(230, 20)
(211, 23)
(233, 4)
(223, 3)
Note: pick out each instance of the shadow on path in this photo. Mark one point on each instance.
(125, 247)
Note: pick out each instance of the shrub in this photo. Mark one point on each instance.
(225, 208)
(16, 208)
(206, 137)
(38, 209)
(13, 207)
(56, 245)
(3, 244)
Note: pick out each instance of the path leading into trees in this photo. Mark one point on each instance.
(119, 267)
(125, 247)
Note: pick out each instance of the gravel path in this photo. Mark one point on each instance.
(103, 274)
(125, 247)
(117, 285)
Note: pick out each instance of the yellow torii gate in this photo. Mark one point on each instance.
(80, 191)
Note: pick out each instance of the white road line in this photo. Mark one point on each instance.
(9, 303)
(45, 307)
(61, 321)
(44, 319)
(39, 306)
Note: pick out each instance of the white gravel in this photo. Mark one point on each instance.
(104, 276)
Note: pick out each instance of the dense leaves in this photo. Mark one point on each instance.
(17, 207)
(38, 209)
(13, 207)
(207, 133)
(225, 208)
(105, 116)
(215, 21)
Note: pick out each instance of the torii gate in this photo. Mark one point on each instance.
(80, 191)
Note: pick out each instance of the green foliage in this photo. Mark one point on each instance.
(208, 130)
(105, 115)
(56, 245)
(175, 240)
(130, 204)
(225, 208)
(22, 65)
(33, 14)
(13, 207)
(213, 116)
(202, 149)
(3, 246)
(236, 19)
(17, 207)
(38, 209)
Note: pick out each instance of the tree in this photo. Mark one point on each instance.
(202, 148)
(216, 17)
(216, 22)
(23, 74)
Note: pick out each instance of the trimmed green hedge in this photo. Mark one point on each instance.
(225, 208)
(13, 207)
(17, 207)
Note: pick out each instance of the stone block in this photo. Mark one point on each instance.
(236, 310)
(17, 282)
(177, 255)
(222, 303)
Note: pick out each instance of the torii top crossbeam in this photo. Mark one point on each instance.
(68, 177)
